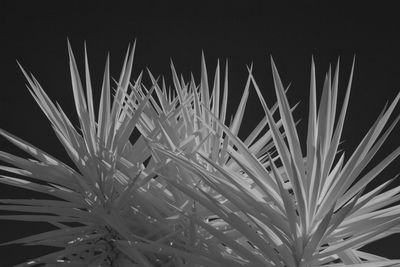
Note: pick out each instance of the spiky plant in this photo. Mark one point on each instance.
(126, 216)
(311, 211)
(189, 192)
(122, 211)
(183, 124)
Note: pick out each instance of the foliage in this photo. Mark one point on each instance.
(189, 191)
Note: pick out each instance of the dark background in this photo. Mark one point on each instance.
(35, 33)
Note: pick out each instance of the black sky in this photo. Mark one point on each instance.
(36, 35)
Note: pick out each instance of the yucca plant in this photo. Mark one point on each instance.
(189, 191)
(112, 194)
(183, 124)
(311, 210)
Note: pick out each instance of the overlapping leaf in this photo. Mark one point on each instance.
(311, 212)
(189, 191)
(112, 194)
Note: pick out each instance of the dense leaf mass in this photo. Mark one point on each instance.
(188, 191)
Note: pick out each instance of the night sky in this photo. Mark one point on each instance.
(36, 36)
